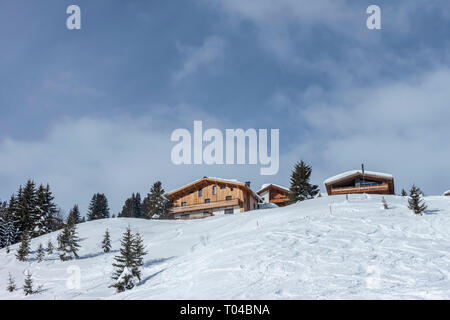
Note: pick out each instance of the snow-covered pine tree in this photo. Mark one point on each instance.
(98, 208)
(301, 189)
(50, 247)
(8, 231)
(106, 243)
(155, 204)
(125, 262)
(139, 253)
(404, 193)
(24, 248)
(40, 253)
(28, 284)
(385, 204)
(74, 214)
(68, 242)
(415, 201)
(11, 284)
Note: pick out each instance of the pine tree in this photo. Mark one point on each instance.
(28, 285)
(139, 253)
(128, 263)
(155, 204)
(40, 253)
(50, 247)
(49, 210)
(301, 189)
(415, 201)
(404, 194)
(68, 242)
(24, 248)
(7, 232)
(98, 208)
(385, 204)
(74, 214)
(106, 243)
(27, 209)
(11, 284)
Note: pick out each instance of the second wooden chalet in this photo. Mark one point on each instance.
(358, 181)
(272, 193)
(212, 196)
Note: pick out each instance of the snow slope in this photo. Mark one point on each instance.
(359, 251)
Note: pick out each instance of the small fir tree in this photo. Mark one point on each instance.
(11, 284)
(28, 285)
(50, 247)
(415, 201)
(40, 253)
(404, 194)
(24, 248)
(68, 242)
(106, 243)
(128, 263)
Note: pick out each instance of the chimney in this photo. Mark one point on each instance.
(247, 184)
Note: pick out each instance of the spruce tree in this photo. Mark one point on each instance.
(68, 242)
(128, 263)
(139, 253)
(11, 284)
(74, 214)
(40, 253)
(301, 189)
(106, 243)
(28, 285)
(98, 208)
(50, 247)
(27, 209)
(404, 194)
(155, 204)
(24, 248)
(415, 201)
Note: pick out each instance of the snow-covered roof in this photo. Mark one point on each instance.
(352, 172)
(446, 193)
(265, 185)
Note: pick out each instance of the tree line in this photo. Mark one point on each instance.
(33, 212)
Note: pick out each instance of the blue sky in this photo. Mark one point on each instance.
(92, 110)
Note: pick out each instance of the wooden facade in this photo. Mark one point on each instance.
(211, 196)
(359, 182)
(274, 194)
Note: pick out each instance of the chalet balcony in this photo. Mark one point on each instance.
(382, 188)
(207, 206)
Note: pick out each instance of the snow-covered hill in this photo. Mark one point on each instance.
(301, 251)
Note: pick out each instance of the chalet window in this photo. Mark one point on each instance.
(222, 187)
(207, 200)
(183, 204)
(200, 193)
(214, 190)
(229, 211)
(228, 198)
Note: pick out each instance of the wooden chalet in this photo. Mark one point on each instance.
(272, 193)
(212, 196)
(447, 193)
(359, 181)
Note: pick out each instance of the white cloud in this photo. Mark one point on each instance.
(196, 58)
(401, 128)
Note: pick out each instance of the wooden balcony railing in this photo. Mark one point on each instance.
(384, 187)
(206, 206)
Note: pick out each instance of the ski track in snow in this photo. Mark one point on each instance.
(359, 251)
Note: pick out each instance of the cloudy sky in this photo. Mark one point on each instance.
(92, 110)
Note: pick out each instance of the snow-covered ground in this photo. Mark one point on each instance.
(359, 251)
